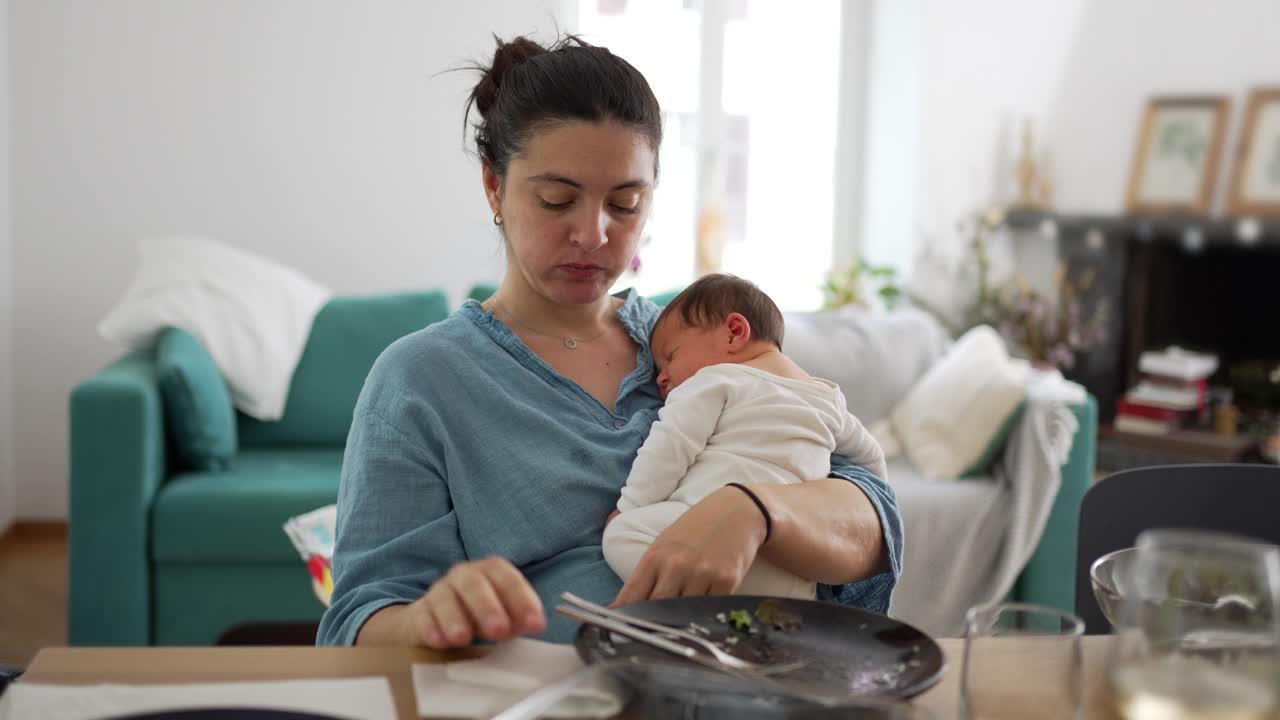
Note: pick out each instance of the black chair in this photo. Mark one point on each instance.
(1238, 499)
(8, 673)
(280, 633)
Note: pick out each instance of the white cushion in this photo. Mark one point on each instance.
(882, 431)
(252, 314)
(956, 410)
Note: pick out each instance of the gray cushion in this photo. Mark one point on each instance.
(875, 357)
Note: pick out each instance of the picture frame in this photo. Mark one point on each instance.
(1176, 160)
(1255, 181)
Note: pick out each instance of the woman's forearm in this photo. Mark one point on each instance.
(826, 530)
(386, 627)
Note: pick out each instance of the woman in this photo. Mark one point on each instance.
(487, 450)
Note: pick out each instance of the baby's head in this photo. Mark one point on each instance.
(718, 319)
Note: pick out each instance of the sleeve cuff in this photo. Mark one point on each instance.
(874, 592)
(349, 629)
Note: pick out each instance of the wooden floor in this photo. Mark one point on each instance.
(33, 591)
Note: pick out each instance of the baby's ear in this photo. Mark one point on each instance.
(739, 330)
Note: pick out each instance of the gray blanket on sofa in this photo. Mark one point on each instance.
(968, 540)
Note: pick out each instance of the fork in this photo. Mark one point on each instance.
(803, 691)
(724, 658)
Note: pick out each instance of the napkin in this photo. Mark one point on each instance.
(515, 668)
(354, 698)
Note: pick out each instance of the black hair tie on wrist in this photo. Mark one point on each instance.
(768, 521)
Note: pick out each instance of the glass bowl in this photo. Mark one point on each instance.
(1107, 576)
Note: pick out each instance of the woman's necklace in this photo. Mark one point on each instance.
(569, 342)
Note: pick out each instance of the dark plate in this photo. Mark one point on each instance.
(853, 651)
(227, 713)
(662, 691)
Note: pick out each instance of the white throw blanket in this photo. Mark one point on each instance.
(956, 564)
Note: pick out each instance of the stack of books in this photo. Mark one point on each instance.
(1173, 392)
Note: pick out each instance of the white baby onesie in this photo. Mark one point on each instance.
(734, 423)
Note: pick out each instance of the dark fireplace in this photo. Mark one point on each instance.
(1224, 299)
(1211, 285)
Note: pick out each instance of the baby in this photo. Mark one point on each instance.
(737, 410)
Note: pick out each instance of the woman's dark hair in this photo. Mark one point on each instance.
(528, 87)
(710, 299)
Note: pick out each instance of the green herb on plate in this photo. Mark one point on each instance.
(740, 620)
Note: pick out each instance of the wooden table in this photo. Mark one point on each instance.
(1180, 446)
(80, 666)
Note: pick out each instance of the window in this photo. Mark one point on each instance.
(749, 97)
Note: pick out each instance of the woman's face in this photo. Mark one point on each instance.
(573, 205)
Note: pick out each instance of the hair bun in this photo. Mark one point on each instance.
(568, 79)
(505, 58)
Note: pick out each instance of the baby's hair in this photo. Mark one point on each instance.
(710, 299)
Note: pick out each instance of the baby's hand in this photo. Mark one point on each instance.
(612, 515)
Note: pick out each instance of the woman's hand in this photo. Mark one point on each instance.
(706, 552)
(485, 599)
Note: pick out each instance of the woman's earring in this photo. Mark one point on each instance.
(497, 218)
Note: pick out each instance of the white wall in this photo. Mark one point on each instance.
(851, 131)
(1082, 70)
(893, 129)
(8, 489)
(1129, 51)
(323, 135)
(986, 65)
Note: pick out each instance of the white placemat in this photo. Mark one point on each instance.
(353, 698)
(482, 687)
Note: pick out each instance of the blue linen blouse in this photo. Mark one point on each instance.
(465, 444)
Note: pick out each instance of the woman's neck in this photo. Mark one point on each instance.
(532, 309)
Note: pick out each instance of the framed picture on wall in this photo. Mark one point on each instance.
(1176, 161)
(1255, 182)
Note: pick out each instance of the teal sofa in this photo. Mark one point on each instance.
(1049, 577)
(164, 556)
(160, 555)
